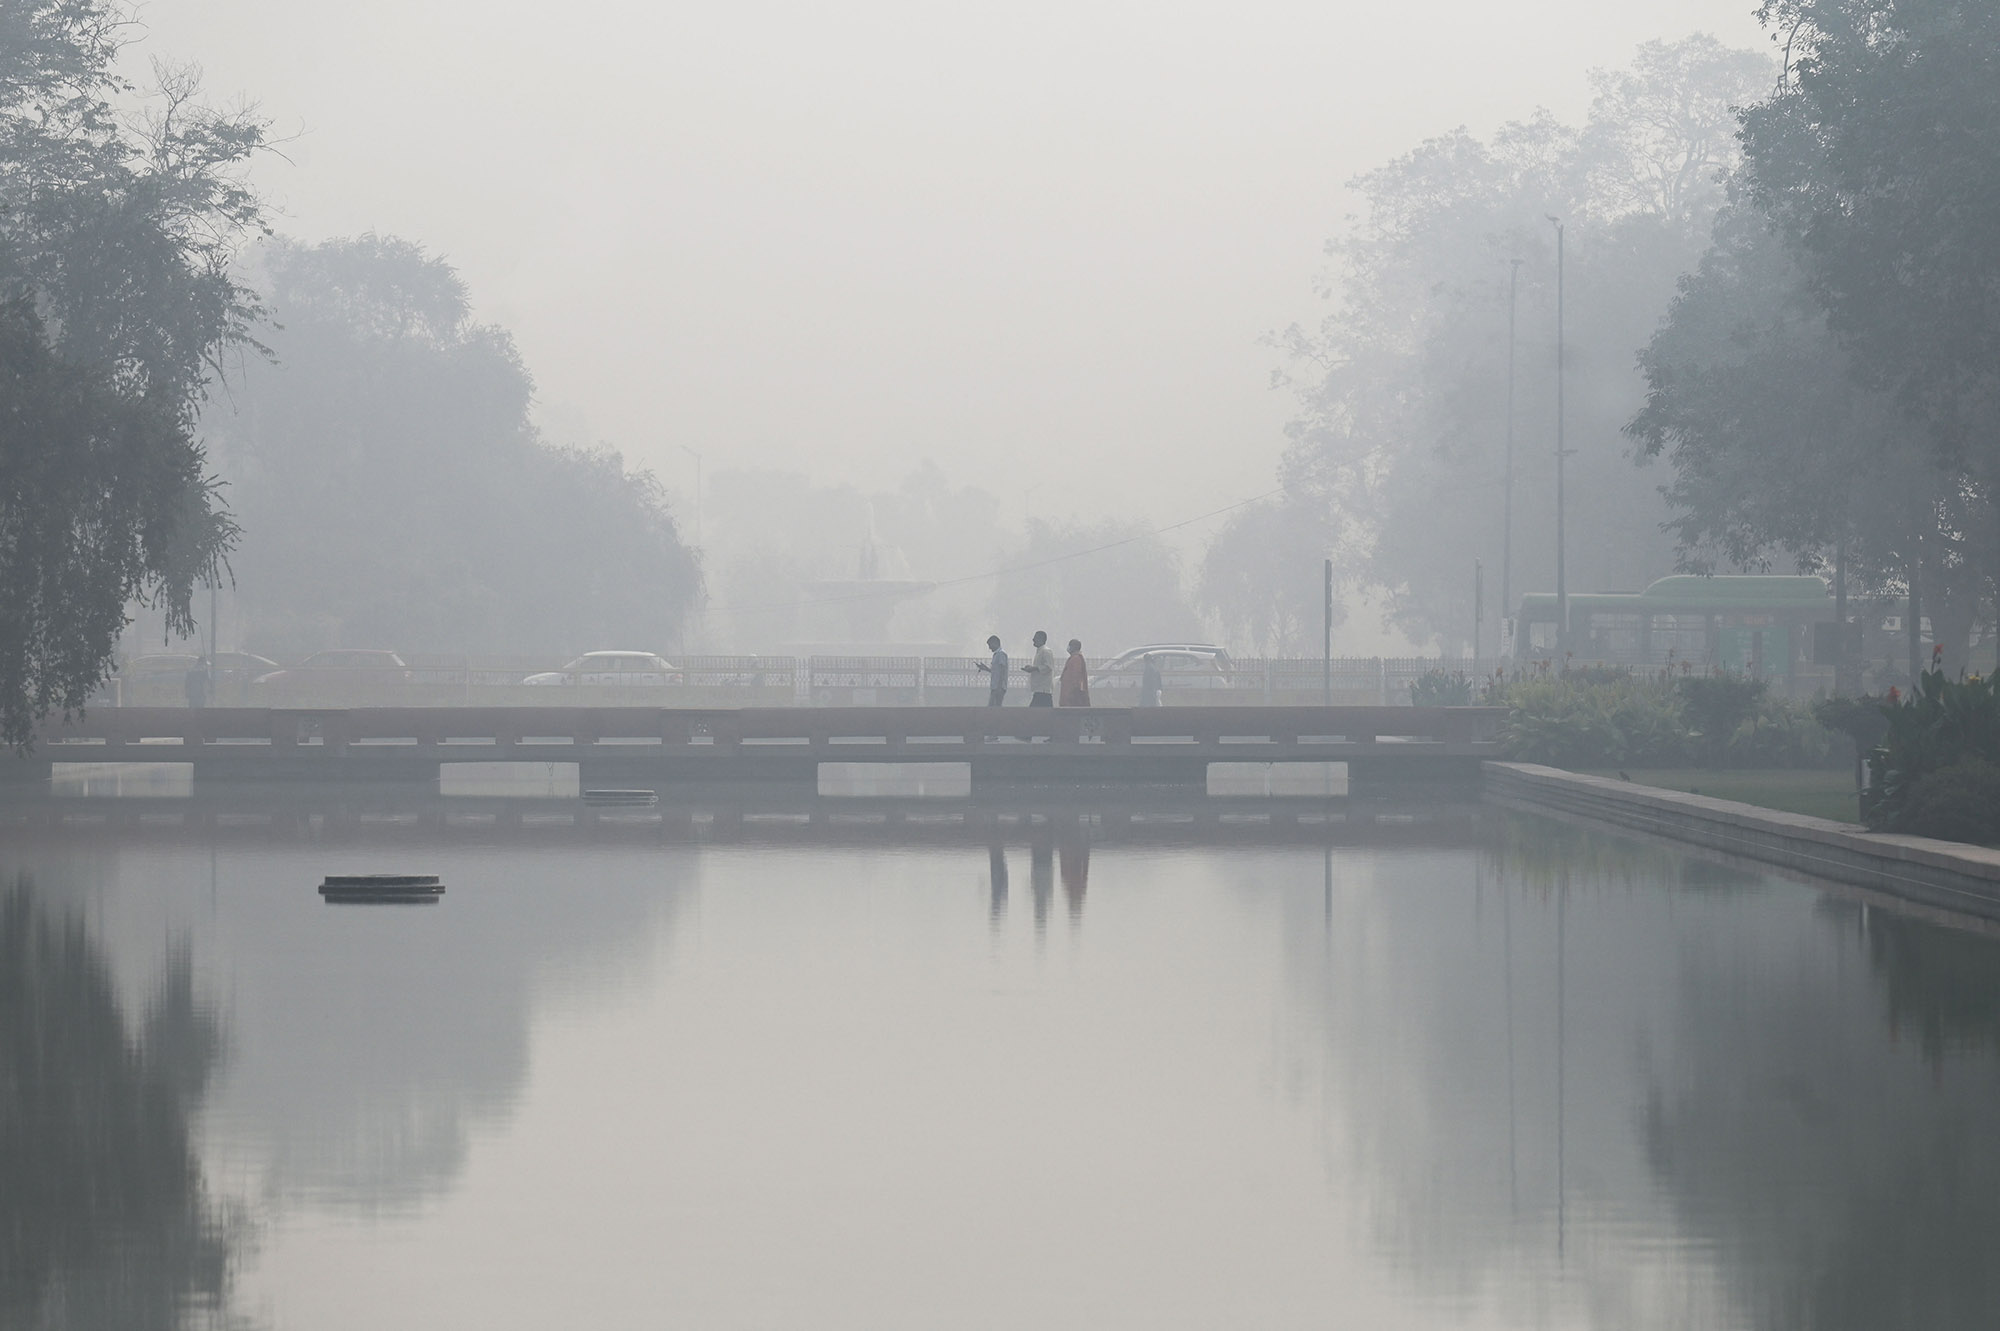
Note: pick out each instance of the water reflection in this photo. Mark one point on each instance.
(1042, 879)
(1660, 1090)
(1075, 851)
(104, 1217)
(384, 1041)
(1848, 1175)
(1465, 1068)
(996, 878)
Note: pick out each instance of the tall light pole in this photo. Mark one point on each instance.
(1507, 490)
(1562, 453)
(697, 491)
(1326, 643)
(1478, 606)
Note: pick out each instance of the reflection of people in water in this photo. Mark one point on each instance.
(1075, 874)
(996, 874)
(1042, 879)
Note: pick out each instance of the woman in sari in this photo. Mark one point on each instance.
(1075, 678)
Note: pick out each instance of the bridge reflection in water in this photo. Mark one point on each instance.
(619, 745)
(752, 814)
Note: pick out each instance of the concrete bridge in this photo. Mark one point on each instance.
(652, 745)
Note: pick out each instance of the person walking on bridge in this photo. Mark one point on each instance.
(1075, 677)
(1041, 673)
(996, 694)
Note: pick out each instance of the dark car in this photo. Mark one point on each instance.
(159, 679)
(341, 677)
(341, 664)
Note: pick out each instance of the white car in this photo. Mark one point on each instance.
(1182, 665)
(612, 669)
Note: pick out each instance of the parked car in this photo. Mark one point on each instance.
(613, 670)
(156, 664)
(161, 677)
(1183, 665)
(341, 665)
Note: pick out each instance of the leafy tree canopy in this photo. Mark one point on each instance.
(120, 213)
(1876, 159)
(1827, 378)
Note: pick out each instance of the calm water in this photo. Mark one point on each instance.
(812, 1066)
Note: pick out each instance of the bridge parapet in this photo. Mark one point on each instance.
(673, 742)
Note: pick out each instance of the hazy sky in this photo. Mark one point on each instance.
(1037, 241)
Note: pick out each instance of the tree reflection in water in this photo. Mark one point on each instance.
(104, 1221)
(1656, 1089)
(1848, 1176)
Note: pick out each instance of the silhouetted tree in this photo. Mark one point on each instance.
(1780, 445)
(116, 237)
(1878, 158)
(1830, 377)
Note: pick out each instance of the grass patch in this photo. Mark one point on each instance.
(1819, 793)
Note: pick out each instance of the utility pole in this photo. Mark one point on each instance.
(1507, 489)
(1478, 607)
(1326, 646)
(1562, 454)
(1840, 683)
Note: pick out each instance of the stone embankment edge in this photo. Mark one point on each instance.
(1942, 874)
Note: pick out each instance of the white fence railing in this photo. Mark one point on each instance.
(861, 681)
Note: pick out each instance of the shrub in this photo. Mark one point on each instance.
(1958, 803)
(1618, 718)
(1779, 734)
(1940, 726)
(1439, 688)
(1602, 721)
(1717, 707)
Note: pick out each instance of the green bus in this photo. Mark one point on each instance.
(1758, 624)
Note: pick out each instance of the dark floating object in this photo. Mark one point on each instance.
(645, 797)
(388, 889)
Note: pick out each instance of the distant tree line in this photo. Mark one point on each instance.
(393, 490)
(1400, 444)
(382, 483)
(1803, 258)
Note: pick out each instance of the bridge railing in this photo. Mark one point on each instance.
(859, 733)
(750, 681)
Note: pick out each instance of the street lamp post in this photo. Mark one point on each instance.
(1478, 607)
(1562, 453)
(1507, 489)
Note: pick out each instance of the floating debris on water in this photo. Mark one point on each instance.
(396, 889)
(636, 797)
